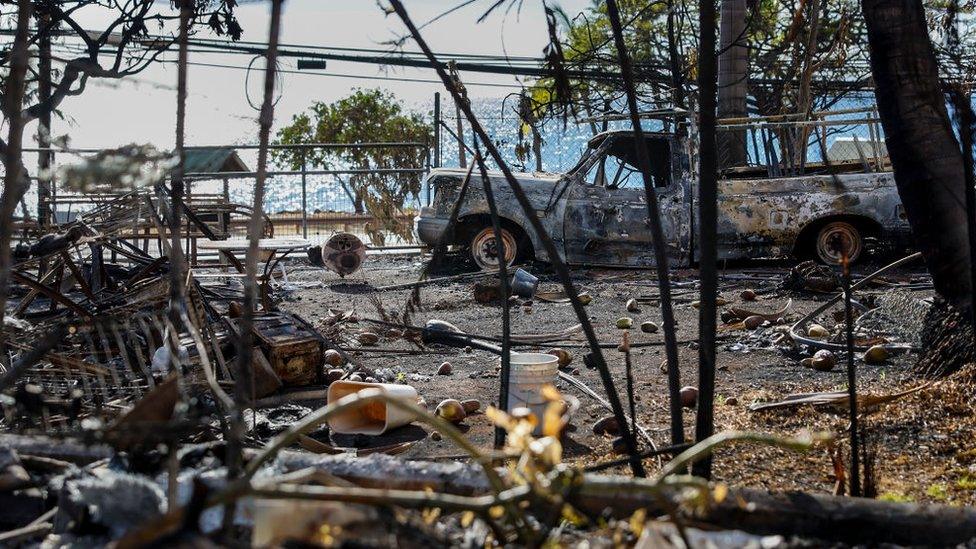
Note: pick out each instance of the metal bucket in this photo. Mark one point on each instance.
(524, 284)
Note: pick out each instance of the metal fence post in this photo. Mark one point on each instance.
(437, 129)
(304, 198)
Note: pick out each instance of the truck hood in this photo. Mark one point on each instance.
(530, 179)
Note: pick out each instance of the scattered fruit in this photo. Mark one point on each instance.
(876, 355)
(731, 401)
(689, 396)
(649, 327)
(807, 362)
(563, 355)
(445, 369)
(333, 358)
(817, 331)
(368, 338)
(471, 405)
(753, 322)
(585, 298)
(823, 361)
(633, 306)
(624, 323)
(436, 436)
(451, 410)
(748, 295)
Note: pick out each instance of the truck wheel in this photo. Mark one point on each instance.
(836, 236)
(485, 253)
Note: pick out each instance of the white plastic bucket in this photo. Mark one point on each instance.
(529, 373)
(374, 418)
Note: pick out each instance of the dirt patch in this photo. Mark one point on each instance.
(923, 444)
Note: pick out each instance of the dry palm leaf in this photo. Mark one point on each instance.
(835, 398)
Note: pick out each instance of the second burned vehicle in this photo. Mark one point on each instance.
(596, 212)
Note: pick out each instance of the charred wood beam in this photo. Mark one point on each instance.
(50, 293)
(824, 517)
(79, 277)
(31, 295)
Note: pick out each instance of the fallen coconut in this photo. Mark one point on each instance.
(633, 306)
(445, 369)
(471, 405)
(563, 355)
(624, 323)
(817, 331)
(689, 396)
(753, 322)
(748, 294)
(333, 358)
(451, 410)
(649, 327)
(823, 361)
(729, 317)
(368, 338)
(876, 355)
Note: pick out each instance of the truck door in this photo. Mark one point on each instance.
(605, 220)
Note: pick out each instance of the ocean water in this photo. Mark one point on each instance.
(563, 143)
(561, 148)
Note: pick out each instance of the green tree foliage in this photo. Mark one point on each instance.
(804, 55)
(365, 116)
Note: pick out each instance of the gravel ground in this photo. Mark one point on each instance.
(922, 446)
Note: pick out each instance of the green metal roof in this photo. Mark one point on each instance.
(213, 160)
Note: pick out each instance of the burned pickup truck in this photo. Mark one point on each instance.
(597, 214)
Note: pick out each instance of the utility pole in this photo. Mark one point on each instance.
(733, 81)
(45, 159)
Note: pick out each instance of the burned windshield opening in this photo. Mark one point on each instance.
(617, 167)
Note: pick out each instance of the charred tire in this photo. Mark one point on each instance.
(485, 253)
(836, 236)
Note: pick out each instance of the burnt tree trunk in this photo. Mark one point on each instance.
(927, 161)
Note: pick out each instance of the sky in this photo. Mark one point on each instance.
(141, 109)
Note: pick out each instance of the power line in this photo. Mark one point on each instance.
(316, 73)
